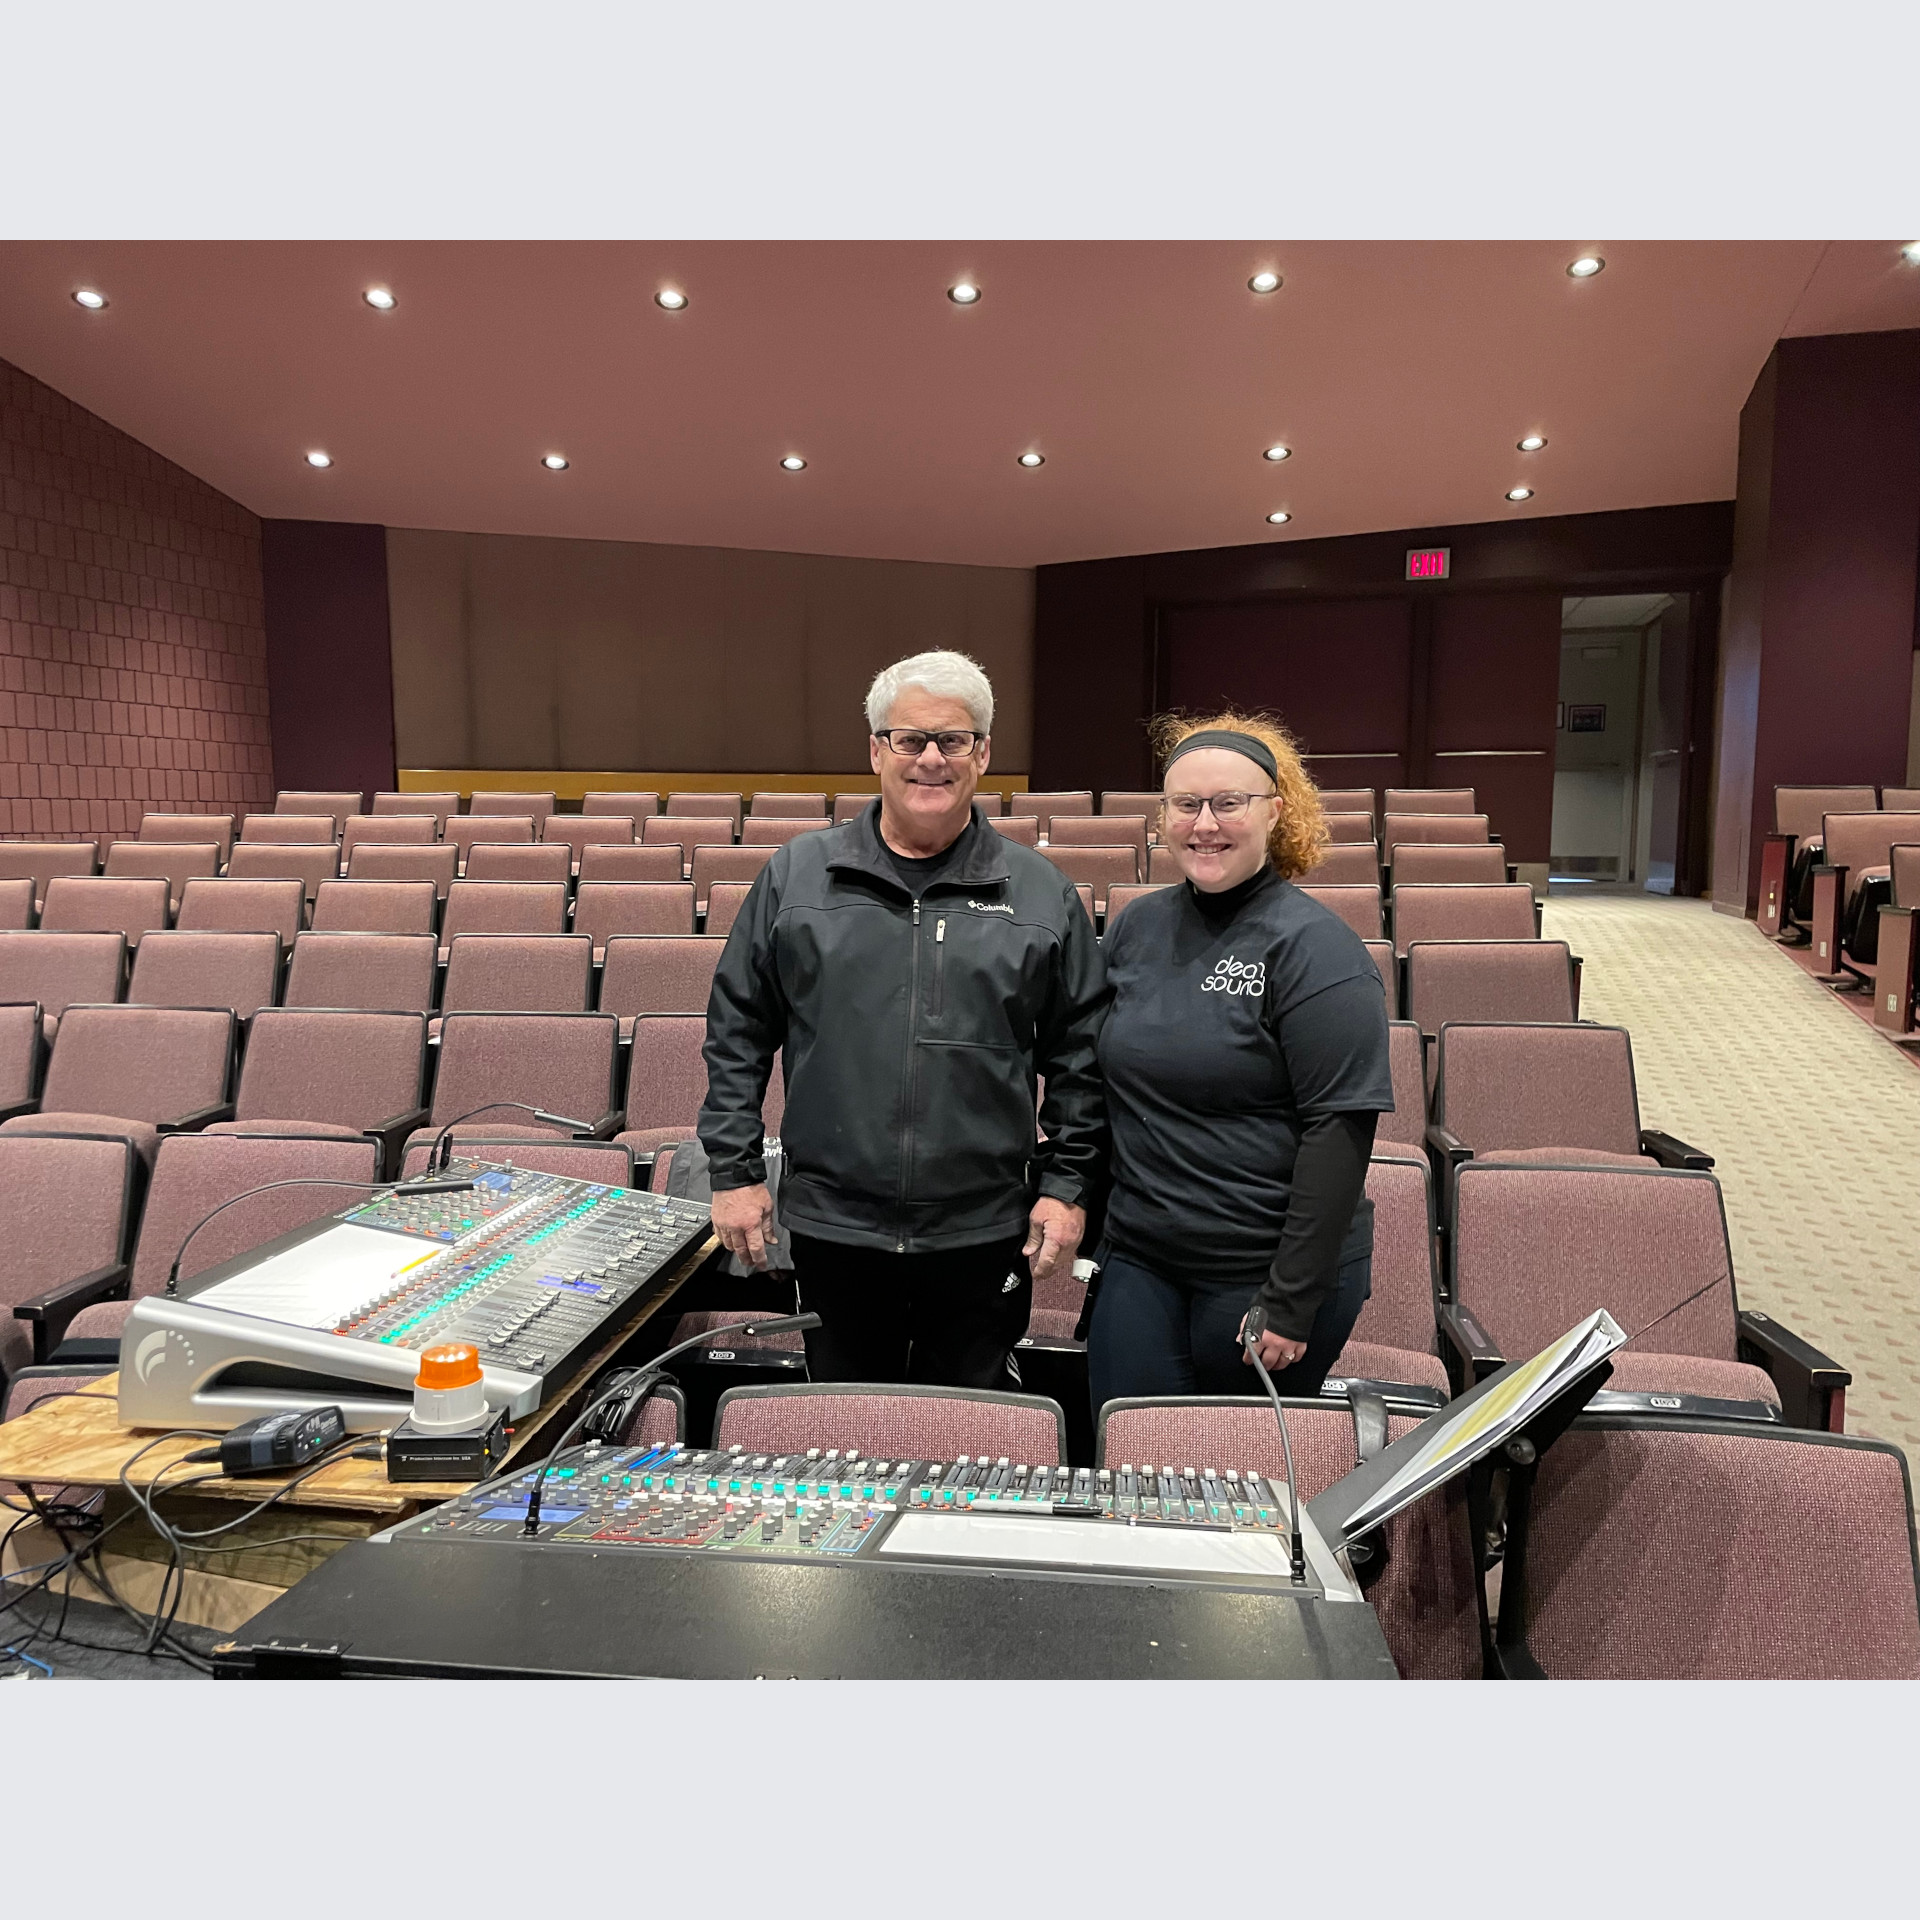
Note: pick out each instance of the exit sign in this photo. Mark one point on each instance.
(1429, 563)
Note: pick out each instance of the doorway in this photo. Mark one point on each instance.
(1619, 760)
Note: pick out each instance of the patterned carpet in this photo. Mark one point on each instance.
(1814, 1121)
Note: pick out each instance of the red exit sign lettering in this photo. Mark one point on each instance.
(1429, 563)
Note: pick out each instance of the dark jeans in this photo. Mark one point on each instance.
(935, 1319)
(1155, 1334)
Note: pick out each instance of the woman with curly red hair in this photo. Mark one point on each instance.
(1245, 1057)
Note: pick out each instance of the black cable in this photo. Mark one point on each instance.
(1255, 1326)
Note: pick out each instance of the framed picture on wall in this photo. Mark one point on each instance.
(1587, 719)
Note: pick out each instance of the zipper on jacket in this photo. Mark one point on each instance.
(906, 1110)
(939, 966)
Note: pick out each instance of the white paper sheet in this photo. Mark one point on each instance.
(323, 1280)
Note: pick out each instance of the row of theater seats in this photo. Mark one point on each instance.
(1840, 874)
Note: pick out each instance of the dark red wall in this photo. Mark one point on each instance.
(1450, 683)
(329, 661)
(1821, 624)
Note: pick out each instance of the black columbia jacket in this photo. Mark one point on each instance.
(912, 1031)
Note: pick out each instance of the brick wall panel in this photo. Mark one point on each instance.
(132, 636)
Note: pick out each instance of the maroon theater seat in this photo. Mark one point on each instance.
(310, 865)
(724, 901)
(577, 831)
(661, 973)
(40, 860)
(59, 970)
(1101, 830)
(128, 907)
(778, 831)
(637, 807)
(1501, 912)
(644, 864)
(789, 806)
(65, 1205)
(711, 864)
(467, 830)
(1023, 827)
(1358, 906)
(374, 906)
(1535, 1248)
(196, 829)
(536, 807)
(724, 806)
(374, 972)
(1504, 980)
(1677, 1550)
(135, 1073)
(1096, 867)
(1427, 800)
(499, 860)
(289, 830)
(1119, 897)
(174, 861)
(518, 973)
(443, 806)
(893, 1422)
(1474, 863)
(236, 970)
(333, 1072)
(562, 1062)
(243, 906)
(436, 864)
(340, 807)
(607, 912)
(1352, 864)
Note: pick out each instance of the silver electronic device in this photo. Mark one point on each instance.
(532, 1269)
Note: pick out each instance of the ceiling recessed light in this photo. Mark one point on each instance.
(318, 459)
(793, 463)
(1278, 453)
(1911, 252)
(89, 297)
(1278, 519)
(1033, 459)
(1519, 493)
(1532, 443)
(963, 293)
(380, 299)
(670, 299)
(1586, 266)
(554, 462)
(1264, 282)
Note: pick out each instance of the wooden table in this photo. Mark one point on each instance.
(78, 1441)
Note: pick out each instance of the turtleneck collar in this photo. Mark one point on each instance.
(1219, 908)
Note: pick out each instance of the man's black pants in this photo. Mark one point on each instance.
(934, 1319)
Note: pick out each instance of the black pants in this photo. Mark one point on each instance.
(935, 1319)
(1158, 1334)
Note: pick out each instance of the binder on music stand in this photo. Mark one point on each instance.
(1533, 1399)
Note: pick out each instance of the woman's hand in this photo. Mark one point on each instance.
(1276, 1351)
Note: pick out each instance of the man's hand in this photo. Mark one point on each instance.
(1053, 1234)
(743, 1218)
(1275, 1350)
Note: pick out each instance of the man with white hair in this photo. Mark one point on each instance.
(919, 970)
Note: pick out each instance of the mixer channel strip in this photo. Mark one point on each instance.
(835, 1503)
(531, 1267)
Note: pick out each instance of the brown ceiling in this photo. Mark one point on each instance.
(1148, 375)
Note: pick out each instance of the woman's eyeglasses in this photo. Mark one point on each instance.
(1226, 806)
(954, 745)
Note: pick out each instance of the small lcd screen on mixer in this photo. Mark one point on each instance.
(558, 1515)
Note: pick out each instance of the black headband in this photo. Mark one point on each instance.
(1255, 750)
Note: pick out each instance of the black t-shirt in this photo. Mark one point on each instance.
(918, 875)
(1237, 1017)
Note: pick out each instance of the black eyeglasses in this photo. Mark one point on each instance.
(954, 744)
(1225, 806)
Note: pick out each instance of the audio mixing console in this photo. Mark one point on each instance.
(532, 1269)
(1196, 1522)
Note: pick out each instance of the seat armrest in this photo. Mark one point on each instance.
(1448, 1148)
(196, 1122)
(390, 1136)
(606, 1126)
(1671, 1152)
(1813, 1387)
(1469, 1349)
(18, 1108)
(52, 1311)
